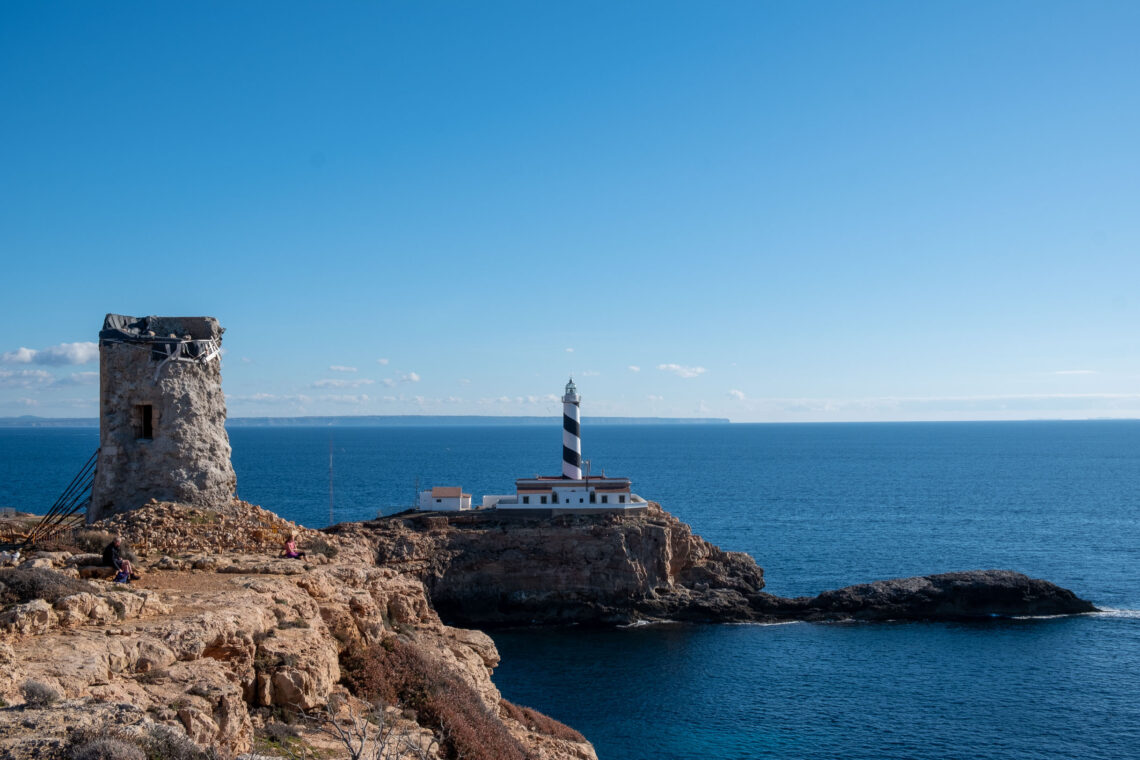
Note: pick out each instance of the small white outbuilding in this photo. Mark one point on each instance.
(445, 499)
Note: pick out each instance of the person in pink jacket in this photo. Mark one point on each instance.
(291, 549)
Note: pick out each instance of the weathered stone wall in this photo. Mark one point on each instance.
(187, 459)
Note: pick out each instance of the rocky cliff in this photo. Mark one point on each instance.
(508, 569)
(497, 569)
(228, 648)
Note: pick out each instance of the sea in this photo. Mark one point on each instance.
(818, 506)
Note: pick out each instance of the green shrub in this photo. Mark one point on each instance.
(396, 673)
(298, 623)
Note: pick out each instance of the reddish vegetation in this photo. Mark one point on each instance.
(537, 721)
(395, 673)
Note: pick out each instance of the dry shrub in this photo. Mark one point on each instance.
(153, 676)
(107, 748)
(25, 584)
(39, 694)
(323, 546)
(166, 743)
(93, 541)
(543, 724)
(159, 742)
(396, 673)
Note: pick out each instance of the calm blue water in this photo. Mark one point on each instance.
(819, 506)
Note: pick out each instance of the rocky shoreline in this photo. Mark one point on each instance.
(494, 569)
(224, 647)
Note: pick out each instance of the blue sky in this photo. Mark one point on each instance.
(762, 211)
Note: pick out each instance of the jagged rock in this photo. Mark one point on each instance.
(29, 618)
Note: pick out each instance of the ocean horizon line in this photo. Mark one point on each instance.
(444, 420)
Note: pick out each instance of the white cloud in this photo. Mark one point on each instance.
(19, 356)
(737, 395)
(1076, 372)
(346, 399)
(681, 370)
(268, 398)
(634, 368)
(336, 383)
(24, 378)
(453, 400)
(410, 377)
(465, 380)
(651, 397)
(64, 353)
(702, 407)
(388, 382)
(590, 373)
(569, 350)
(27, 402)
(341, 368)
(80, 378)
(246, 360)
(382, 361)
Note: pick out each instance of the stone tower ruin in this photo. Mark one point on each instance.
(162, 415)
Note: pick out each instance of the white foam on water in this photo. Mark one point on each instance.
(763, 625)
(1109, 612)
(642, 623)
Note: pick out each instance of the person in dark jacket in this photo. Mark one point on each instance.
(113, 557)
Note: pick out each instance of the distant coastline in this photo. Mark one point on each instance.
(375, 420)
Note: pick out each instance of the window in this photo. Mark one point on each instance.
(143, 420)
(553, 498)
(605, 499)
(543, 499)
(526, 500)
(439, 501)
(621, 498)
(579, 501)
(593, 498)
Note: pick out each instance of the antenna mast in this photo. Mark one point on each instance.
(330, 478)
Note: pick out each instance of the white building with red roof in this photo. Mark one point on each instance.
(445, 499)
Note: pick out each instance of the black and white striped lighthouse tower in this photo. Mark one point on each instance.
(571, 434)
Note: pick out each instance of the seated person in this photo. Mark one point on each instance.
(291, 549)
(113, 557)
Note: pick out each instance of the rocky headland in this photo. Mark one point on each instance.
(499, 569)
(223, 646)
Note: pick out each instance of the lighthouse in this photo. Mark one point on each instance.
(570, 493)
(571, 433)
